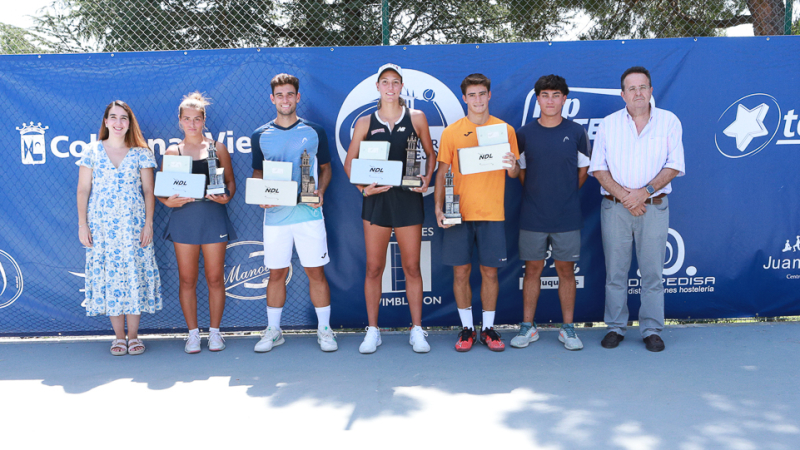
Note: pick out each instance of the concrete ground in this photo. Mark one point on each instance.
(715, 387)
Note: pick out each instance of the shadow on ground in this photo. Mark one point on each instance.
(733, 386)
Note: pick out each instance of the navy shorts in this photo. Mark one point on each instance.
(459, 240)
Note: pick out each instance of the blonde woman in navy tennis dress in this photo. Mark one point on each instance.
(203, 224)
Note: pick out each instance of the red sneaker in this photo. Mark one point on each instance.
(465, 340)
(491, 339)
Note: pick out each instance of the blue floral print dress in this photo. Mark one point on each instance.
(121, 276)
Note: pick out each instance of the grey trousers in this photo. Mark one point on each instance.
(620, 230)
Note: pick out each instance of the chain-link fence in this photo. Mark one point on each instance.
(70, 26)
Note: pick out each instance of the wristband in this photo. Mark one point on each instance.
(364, 192)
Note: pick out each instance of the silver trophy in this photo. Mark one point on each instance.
(452, 212)
(411, 178)
(216, 179)
(307, 183)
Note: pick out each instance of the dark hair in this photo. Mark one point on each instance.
(551, 83)
(133, 138)
(476, 79)
(284, 78)
(635, 69)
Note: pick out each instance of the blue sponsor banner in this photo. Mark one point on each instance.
(734, 243)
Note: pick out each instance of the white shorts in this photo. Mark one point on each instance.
(309, 238)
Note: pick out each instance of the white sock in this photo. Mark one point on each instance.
(323, 317)
(274, 317)
(194, 331)
(466, 317)
(488, 319)
(213, 330)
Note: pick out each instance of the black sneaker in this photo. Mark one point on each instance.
(654, 343)
(491, 339)
(465, 340)
(612, 340)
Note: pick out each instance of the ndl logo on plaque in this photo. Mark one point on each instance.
(11, 282)
(31, 143)
(420, 91)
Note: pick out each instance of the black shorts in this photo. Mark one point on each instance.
(394, 208)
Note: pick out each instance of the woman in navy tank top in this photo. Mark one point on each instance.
(385, 208)
(203, 224)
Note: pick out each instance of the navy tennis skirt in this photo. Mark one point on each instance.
(200, 222)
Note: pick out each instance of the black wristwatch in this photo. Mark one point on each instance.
(650, 189)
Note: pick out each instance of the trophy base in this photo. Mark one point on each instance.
(411, 182)
(215, 190)
(451, 220)
(308, 199)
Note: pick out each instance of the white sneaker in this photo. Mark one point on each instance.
(417, 340)
(215, 342)
(327, 340)
(269, 338)
(569, 338)
(192, 343)
(371, 341)
(527, 334)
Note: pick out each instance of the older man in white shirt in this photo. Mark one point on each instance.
(637, 152)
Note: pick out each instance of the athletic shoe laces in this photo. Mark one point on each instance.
(465, 334)
(569, 330)
(524, 329)
(327, 334)
(491, 334)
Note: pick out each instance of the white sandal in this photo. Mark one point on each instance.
(119, 347)
(133, 343)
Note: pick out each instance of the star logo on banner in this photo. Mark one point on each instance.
(749, 124)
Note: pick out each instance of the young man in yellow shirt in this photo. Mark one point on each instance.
(482, 198)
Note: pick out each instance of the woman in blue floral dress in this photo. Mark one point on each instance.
(115, 220)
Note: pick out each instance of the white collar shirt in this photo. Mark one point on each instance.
(634, 159)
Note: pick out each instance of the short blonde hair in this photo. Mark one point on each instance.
(195, 100)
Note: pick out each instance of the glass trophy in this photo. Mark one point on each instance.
(307, 184)
(216, 180)
(452, 213)
(411, 177)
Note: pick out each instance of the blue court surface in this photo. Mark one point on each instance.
(715, 387)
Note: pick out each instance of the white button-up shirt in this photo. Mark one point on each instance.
(634, 159)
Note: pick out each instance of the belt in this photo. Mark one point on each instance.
(652, 200)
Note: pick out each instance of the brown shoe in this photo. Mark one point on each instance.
(612, 340)
(654, 343)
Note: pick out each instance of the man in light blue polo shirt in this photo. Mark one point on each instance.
(285, 139)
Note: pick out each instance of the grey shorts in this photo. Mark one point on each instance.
(535, 246)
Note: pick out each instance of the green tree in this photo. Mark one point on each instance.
(113, 25)
(139, 25)
(615, 19)
(15, 40)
